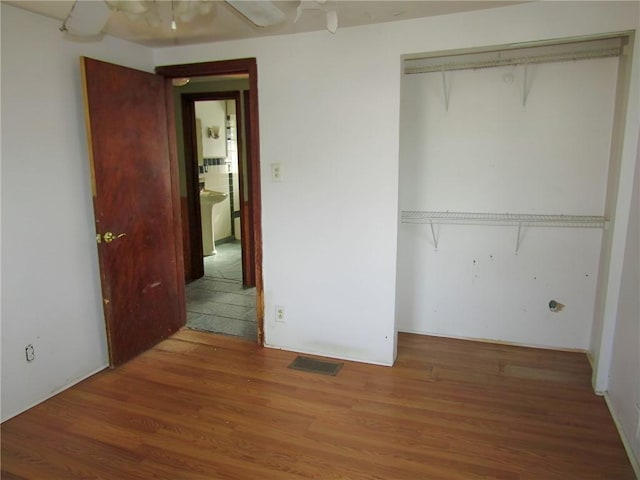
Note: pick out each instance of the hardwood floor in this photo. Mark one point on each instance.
(201, 406)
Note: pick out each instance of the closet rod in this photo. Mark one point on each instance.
(500, 62)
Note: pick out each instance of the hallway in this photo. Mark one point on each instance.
(218, 302)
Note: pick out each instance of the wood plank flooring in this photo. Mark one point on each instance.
(202, 406)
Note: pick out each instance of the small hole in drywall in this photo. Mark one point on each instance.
(555, 306)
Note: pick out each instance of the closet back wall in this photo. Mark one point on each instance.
(491, 153)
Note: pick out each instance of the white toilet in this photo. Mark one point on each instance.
(208, 198)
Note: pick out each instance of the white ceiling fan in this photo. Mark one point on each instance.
(332, 15)
(88, 18)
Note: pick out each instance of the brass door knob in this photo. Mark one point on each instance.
(109, 237)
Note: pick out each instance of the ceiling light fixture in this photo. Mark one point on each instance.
(89, 17)
(131, 7)
(180, 82)
(331, 15)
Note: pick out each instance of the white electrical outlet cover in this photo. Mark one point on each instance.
(276, 172)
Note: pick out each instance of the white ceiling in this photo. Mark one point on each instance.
(225, 23)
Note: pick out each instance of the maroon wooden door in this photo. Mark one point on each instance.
(135, 199)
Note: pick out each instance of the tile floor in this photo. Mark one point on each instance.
(218, 302)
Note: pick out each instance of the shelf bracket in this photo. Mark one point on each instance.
(447, 91)
(525, 85)
(518, 237)
(433, 234)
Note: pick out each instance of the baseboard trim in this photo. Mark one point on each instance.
(592, 360)
(228, 239)
(498, 342)
(330, 355)
(625, 441)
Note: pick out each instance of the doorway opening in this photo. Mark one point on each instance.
(234, 271)
(220, 291)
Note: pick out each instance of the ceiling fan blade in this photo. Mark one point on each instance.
(298, 12)
(86, 18)
(261, 13)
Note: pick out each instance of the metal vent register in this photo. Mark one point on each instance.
(316, 366)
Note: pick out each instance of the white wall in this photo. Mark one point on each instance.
(329, 226)
(50, 283)
(334, 128)
(216, 178)
(624, 381)
(489, 153)
(212, 113)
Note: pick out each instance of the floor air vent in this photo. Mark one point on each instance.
(316, 366)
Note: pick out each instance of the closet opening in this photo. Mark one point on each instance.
(509, 166)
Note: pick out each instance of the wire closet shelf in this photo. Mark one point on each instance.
(499, 219)
(469, 218)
